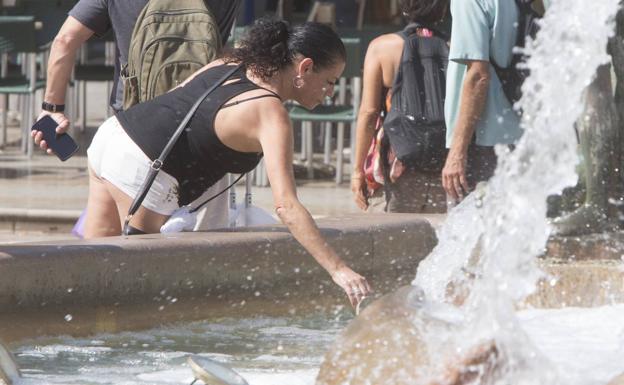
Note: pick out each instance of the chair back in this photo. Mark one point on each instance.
(50, 14)
(19, 32)
(366, 35)
(236, 35)
(6, 5)
(355, 62)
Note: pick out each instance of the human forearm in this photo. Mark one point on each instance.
(366, 124)
(367, 120)
(305, 231)
(472, 104)
(60, 65)
(473, 99)
(303, 228)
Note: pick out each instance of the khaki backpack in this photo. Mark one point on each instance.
(171, 40)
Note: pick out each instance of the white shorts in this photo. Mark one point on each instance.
(114, 156)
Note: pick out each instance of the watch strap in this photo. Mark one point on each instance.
(52, 107)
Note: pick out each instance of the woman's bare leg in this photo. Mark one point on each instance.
(102, 215)
(145, 220)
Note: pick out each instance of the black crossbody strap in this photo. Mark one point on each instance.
(216, 195)
(158, 162)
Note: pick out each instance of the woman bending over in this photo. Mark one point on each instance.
(239, 123)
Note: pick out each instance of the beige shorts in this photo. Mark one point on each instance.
(114, 156)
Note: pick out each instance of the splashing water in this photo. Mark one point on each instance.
(506, 224)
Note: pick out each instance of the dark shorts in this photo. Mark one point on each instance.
(480, 168)
(413, 192)
(481, 164)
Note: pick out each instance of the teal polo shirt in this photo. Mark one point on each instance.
(482, 30)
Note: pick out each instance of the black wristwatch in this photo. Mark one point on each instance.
(52, 107)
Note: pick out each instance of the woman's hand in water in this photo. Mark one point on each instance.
(352, 283)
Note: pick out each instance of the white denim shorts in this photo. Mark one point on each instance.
(114, 156)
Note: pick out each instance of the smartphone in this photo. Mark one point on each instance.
(62, 144)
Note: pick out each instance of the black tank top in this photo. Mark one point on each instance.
(198, 159)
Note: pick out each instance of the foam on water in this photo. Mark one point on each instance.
(585, 344)
(276, 351)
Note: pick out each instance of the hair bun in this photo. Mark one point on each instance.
(283, 29)
(279, 49)
(269, 45)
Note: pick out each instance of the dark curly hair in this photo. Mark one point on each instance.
(424, 11)
(270, 45)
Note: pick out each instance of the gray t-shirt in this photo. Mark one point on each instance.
(120, 15)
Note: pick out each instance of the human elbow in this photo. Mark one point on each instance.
(284, 211)
(480, 77)
(66, 41)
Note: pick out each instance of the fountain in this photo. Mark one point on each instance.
(468, 317)
(483, 308)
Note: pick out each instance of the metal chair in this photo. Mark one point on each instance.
(318, 5)
(340, 113)
(19, 31)
(88, 70)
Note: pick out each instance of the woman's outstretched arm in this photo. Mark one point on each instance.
(277, 143)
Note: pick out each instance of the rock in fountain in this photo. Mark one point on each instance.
(386, 345)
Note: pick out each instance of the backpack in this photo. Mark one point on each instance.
(415, 125)
(171, 40)
(512, 77)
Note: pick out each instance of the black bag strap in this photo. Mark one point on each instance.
(158, 162)
(216, 195)
(407, 35)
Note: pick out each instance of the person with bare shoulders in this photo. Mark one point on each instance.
(242, 121)
(408, 188)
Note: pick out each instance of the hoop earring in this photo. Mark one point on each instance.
(298, 81)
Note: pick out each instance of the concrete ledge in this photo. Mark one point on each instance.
(585, 283)
(603, 246)
(48, 221)
(384, 247)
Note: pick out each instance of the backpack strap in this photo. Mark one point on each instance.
(158, 162)
(408, 36)
(507, 74)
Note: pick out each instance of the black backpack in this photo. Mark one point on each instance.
(513, 76)
(415, 124)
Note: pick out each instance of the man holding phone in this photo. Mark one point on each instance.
(89, 17)
(97, 17)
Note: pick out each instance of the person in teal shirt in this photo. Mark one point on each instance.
(478, 114)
